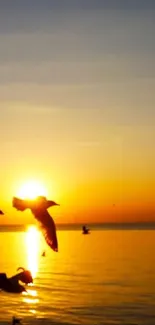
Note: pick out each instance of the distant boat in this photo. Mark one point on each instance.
(85, 230)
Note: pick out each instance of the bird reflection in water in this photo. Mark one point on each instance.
(32, 248)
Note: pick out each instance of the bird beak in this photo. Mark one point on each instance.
(52, 203)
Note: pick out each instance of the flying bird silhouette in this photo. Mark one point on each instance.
(85, 230)
(39, 208)
(43, 254)
(12, 284)
(1, 212)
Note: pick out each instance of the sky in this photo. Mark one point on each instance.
(77, 107)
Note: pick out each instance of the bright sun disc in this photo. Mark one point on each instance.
(31, 189)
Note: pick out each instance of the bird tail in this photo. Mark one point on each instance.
(19, 204)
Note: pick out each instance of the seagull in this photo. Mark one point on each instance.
(15, 320)
(1, 212)
(39, 208)
(12, 284)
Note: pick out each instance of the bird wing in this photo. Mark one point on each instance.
(24, 276)
(14, 279)
(48, 229)
(39, 210)
(1, 212)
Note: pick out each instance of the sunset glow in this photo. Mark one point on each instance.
(31, 189)
(77, 117)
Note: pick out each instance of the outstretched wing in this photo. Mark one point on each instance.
(48, 229)
(39, 209)
(1, 212)
(25, 277)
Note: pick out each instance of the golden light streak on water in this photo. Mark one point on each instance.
(32, 242)
(32, 248)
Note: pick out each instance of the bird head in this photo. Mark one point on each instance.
(25, 276)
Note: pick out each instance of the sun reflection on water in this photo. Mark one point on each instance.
(32, 248)
(32, 245)
(30, 297)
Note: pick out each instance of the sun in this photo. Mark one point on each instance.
(31, 189)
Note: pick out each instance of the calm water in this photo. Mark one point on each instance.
(107, 277)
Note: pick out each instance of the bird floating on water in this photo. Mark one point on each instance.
(39, 208)
(15, 320)
(12, 284)
(85, 230)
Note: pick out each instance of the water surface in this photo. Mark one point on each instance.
(107, 277)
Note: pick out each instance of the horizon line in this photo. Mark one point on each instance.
(84, 222)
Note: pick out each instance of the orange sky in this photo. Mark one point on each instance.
(77, 110)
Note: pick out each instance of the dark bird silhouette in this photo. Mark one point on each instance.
(85, 230)
(39, 208)
(43, 254)
(15, 320)
(12, 284)
(1, 212)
